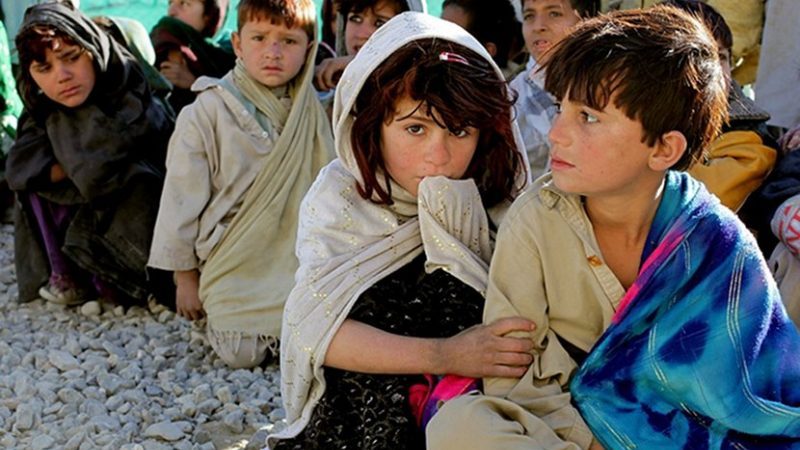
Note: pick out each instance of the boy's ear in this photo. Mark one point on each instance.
(668, 150)
(236, 43)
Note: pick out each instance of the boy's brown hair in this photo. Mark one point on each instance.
(292, 13)
(659, 65)
(464, 92)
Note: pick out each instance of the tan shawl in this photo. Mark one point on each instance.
(248, 275)
(346, 244)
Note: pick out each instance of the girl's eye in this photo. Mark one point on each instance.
(555, 14)
(289, 41)
(460, 133)
(355, 18)
(379, 23)
(258, 38)
(588, 117)
(72, 57)
(415, 130)
(40, 68)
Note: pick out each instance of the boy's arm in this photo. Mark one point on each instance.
(517, 287)
(187, 190)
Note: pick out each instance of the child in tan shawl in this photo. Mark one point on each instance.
(239, 163)
(394, 240)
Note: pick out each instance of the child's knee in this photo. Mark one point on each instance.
(240, 350)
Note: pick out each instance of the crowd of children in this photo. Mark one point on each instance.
(528, 224)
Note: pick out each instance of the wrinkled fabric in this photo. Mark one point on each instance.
(700, 353)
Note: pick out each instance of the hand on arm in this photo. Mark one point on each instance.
(177, 71)
(328, 72)
(482, 350)
(187, 299)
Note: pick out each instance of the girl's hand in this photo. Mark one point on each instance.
(596, 446)
(486, 351)
(328, 72)
(177, 71)
(187, 298)
(57, 173)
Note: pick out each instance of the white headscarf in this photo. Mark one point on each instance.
(346, 243)
(341, 23)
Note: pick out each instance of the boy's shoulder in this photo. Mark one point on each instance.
(542, 206)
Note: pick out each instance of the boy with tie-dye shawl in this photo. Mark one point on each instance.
(658, 323)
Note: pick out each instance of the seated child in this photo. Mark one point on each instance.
(658, 325)
(184, 49)
(394, 240)
(544, 24)
(356, 21)
(785, 260)
(88, 163)
(239, 163)
(494, 24)
(739, 160)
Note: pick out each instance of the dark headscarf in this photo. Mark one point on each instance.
(118, 132)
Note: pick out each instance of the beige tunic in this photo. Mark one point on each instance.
(207, 180)
(546, 267)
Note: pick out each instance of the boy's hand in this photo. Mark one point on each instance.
(187, 298)
(486, 351)
(177, 71)
(328, 72)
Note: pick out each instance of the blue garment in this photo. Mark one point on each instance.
(701, 353)
(535, 111)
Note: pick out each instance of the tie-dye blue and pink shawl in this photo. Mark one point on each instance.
(700, 354)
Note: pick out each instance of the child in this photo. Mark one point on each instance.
(429, 158)
(738, 160)
(240, 160)
(494, 24)
(544, 24)
(356, 21)
(631, 269)
(87, 165)
(183, 46)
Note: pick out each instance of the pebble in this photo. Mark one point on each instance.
(91, 308)
(164, 430)
(106, 376)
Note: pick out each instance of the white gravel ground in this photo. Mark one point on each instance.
(99, 377)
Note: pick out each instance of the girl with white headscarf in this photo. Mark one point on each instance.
(395, 237)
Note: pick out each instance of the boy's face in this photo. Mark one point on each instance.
(361, 24)
(66, 76)
(272, 53)
(414, 147)
(599, 153)
(545, 23)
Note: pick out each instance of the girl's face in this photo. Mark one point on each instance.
(190, 12)
(360, 25)
(66, 76)
(414, 146)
